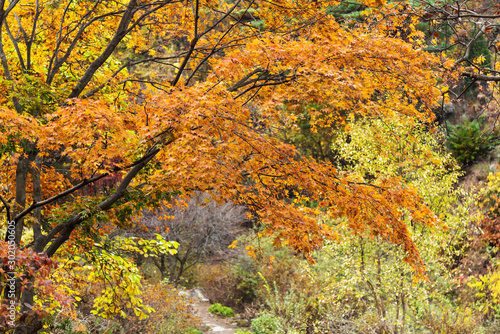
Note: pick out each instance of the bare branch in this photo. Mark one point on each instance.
(7, 207)
(482, 77)
(195, 40)
(16, 45)
(121, 32)
(5, 65)
(65, 193)
(470, 44)
(243, 82)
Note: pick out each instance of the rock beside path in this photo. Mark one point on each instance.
(196, 294)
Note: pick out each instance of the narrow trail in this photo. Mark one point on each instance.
(212, 323)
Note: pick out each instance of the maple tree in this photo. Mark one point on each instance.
(110, 108)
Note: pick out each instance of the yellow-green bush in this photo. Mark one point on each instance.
(487, 292)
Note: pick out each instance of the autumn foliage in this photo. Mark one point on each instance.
(171, 97)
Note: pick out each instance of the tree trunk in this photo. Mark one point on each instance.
(29, 324)
(28, 294)
(21, 177)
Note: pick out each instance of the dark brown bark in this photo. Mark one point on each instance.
(3, 57)
(56, 62)
(37, 197)
(21, 177)
(29, 324)
(121, 31)
(28, 294)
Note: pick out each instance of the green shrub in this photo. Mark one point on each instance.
(468, 140)
(266, 323)
(223, 311)
(239, 331)
(193, 331)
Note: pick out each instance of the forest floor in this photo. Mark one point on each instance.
(212, 323)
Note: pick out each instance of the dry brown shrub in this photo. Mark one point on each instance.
(491, 229)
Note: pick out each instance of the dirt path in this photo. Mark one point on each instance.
(212, 323)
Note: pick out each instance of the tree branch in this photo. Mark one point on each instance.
(7, 207)
(36, 204)
(121, 31)
(16, 46)
(470, 44)
(29, 43)
(3, 57)
(67, 228)
(215, 48)
(101, 86)
(483, 77)
(55, 62)
(195, 40)
(243, 81)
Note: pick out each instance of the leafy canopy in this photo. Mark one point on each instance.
(110, 107)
